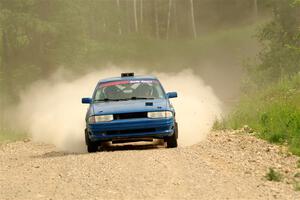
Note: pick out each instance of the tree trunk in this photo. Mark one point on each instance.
(135, 16)
(141, 12)
(193, 19)
(255, 9)
(175, 18)
(5, 77)
(128, 16)
(169, 18)
(156, 19)
(104, 24)
(93, 21)
(119, 18)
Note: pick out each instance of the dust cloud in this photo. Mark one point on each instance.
(51, 110)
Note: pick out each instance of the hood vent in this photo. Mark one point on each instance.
(149, 103)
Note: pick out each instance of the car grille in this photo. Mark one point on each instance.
(130, 115)
(146, 130)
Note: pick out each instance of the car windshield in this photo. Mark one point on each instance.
(129, 90)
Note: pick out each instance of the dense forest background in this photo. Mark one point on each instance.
(39, 36)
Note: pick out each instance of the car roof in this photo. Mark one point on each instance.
(128, 78)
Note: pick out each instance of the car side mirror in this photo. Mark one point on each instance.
(171, 95)
(86, 100)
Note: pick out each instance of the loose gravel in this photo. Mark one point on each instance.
(226, 165)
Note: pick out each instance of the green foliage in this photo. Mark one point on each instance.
(273, 175)
(297, 175)
(273, 113)
(9, 135)
(219, 125)
(271, 103)
(280, 39)
(36, 36)
(297, 186)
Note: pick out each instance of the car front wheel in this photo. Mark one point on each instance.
(91, 146)
(172, 140)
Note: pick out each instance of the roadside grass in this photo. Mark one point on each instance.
(297, 186)
(9, 135)
(296, 181)
(273, 175)
(297, 175)
(273, 113)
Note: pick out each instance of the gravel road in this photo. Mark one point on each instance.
(224, 166)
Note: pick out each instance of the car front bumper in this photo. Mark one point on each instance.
(131, 128)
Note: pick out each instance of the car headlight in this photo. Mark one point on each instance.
(100, 118)
(160, 114)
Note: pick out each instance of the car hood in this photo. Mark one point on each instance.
(115, 107)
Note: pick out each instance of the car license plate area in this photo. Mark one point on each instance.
(133, 131)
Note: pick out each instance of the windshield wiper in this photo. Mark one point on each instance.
(132, 98)
(106, 99)
(138, 98)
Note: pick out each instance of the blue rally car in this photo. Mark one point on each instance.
(128, 109)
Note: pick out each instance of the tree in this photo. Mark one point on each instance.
(141, 12)
(280, 38)
(255, 9)
(135, 16)
(193, 19)
(169, 18)
(156, 19)
(119, 20)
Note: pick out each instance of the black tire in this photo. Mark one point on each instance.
(176, 130)
(91, 146)
(172, 140)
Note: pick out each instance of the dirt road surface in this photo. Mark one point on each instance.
(224, 166)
